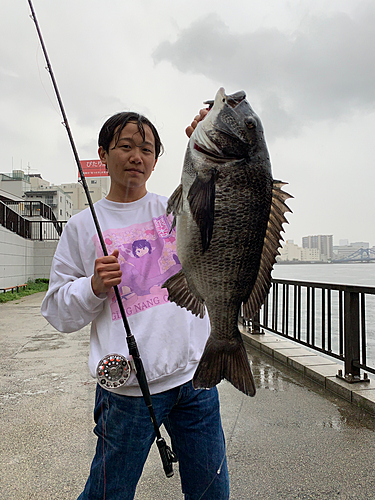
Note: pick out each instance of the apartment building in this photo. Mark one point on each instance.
(322, 242)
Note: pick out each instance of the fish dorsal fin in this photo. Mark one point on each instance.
(201, 198)
(180, 293)
(270, 250)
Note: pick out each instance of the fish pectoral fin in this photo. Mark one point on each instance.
(220, 361)
(180, 293)
(201, 199)
(175, 205)
(175, 201)
(270, 250)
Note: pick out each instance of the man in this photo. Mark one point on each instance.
(142, 254)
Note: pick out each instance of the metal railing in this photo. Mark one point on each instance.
(33, 230)
(31, 208)
(46, 229)
(337, 320)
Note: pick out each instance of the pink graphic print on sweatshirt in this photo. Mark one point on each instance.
(147, 259)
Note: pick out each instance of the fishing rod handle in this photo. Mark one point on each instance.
(166, 454)
(168, 457)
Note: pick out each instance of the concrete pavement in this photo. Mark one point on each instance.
(294, 440)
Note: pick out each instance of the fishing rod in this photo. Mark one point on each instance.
(113, 370)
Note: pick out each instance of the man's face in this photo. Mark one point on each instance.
(130, 163)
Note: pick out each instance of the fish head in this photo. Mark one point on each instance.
(231, 130)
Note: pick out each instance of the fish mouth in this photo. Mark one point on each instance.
(233, 100)
(205, 144)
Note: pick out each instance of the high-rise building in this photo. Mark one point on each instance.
(322, 242)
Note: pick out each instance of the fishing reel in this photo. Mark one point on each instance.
(113, 371)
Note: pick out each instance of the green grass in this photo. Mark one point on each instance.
(33, 286)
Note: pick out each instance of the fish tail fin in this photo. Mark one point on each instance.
(218, 362)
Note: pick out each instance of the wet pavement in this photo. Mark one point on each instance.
(294, 440)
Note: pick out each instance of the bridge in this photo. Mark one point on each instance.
(360, 255)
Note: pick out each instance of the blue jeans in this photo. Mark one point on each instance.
(125, 435)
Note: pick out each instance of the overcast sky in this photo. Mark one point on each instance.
(308, 68)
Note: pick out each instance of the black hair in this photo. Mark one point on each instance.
(113, 127)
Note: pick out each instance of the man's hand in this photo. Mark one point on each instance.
(107, 273)
(190, 129)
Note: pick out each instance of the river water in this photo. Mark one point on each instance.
(362, 274)
(343, 274)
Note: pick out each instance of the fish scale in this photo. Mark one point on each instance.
(229, 213)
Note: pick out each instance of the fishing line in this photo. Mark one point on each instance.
(235, 423)
(226, 448)
(103, 444)
(111, 368)
(41, 81)
(213, 479)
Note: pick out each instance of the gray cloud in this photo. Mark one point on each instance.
(323, 70)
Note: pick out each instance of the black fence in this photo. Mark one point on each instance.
(31, 208)
(33, 230)
(337, 320)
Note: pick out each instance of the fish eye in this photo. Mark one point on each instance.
(223, 99)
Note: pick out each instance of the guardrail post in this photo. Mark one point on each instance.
(256, 325)
(252, 324)
(352, 338)
(351, 334)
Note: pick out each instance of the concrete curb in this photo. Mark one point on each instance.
(319, 369)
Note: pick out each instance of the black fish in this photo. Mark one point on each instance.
(229, 214)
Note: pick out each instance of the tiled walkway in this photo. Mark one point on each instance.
(293, 440)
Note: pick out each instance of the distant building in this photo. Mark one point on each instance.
(54, 197)
(97, 188)
(344, 251)
(310, 254)
(32, 187)
(32, 216)
(64, 199)
(37, 182)
(360, 244)
(289, 252)
(322, 242)
(15, 183)
(98, 182)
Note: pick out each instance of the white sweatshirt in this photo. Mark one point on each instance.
(170, 339)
